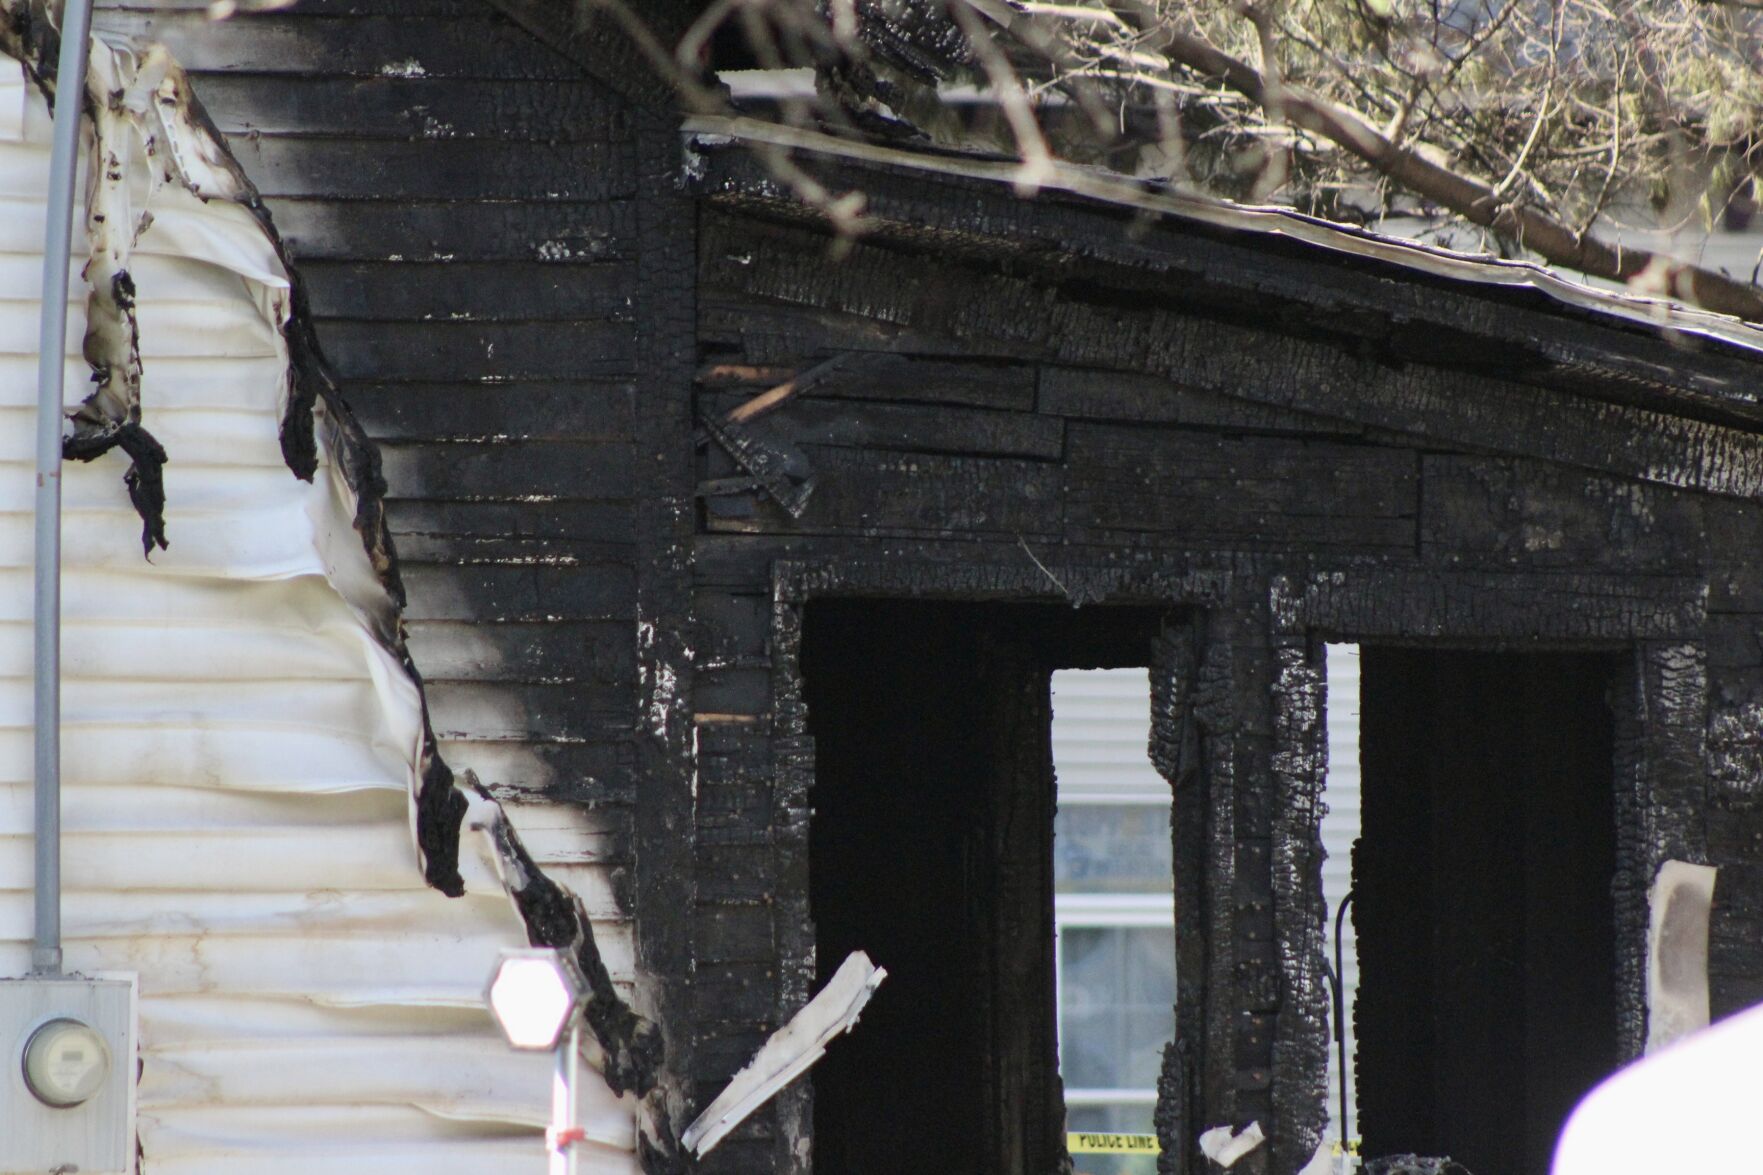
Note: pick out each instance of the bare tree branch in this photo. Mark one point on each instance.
(1473, 199)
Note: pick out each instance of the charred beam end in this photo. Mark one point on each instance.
(145, 478)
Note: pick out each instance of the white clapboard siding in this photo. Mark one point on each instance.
(1340, 828)
(1101, 737)
(238, 756)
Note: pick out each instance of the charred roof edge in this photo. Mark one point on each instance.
(1678, 359)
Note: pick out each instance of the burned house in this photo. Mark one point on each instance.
(516, 429)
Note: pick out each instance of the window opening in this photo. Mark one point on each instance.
(932, 847)
(1486, 926)
(1113, 909)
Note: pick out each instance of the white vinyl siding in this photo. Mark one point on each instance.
(238, 758)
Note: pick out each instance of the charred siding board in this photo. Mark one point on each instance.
(880, 492)
(1491, 510)
(1097, 394)
(866, 424)
(1125, 482)
(1735, 932)
(461, 202)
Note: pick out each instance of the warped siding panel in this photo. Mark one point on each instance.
(462, 203)
(238, 757)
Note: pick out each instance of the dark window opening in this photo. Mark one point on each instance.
(1486, 937)
(931, 847)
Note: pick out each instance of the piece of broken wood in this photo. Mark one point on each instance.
(788, 1052)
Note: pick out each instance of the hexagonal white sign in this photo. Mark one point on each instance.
(533, 995)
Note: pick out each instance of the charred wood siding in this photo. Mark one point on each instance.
(998, 428)
(462, 203)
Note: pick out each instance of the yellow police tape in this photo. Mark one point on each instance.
(1112, 1144)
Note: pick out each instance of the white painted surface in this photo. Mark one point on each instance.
(788, 1052)
(1340, 828)
(1679, 904)
(1688, 1108)
(1101, 737)
(238, 758)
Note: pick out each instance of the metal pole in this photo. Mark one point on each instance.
(70, 88)
(561, 1136)
(575, 1075)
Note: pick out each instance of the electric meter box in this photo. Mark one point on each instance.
(95, 1135)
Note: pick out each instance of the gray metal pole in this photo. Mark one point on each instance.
(70, 88)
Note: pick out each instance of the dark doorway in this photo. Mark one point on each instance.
(1487, 998)
(931, 848)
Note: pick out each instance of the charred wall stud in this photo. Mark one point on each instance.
(1177, 738)
(665, 738)
(1299, 1051)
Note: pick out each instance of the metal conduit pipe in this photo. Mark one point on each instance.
(70, 88)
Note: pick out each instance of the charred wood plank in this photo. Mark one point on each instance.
(484, 46)
(1383, 601)
(462, 291)
(887, 376)
(326, 228)
(1478, 510)
(537, 112)
(876, 492)
(510, 410)
(1098, 394)
(857, 424)
(766, 331)
(1124, 483)
(433, 352)
(462, 532)
(510, 472)
(437, 169)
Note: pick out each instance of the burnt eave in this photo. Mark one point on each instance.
(1642, 354)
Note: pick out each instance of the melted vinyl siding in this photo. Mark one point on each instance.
(238, 756)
